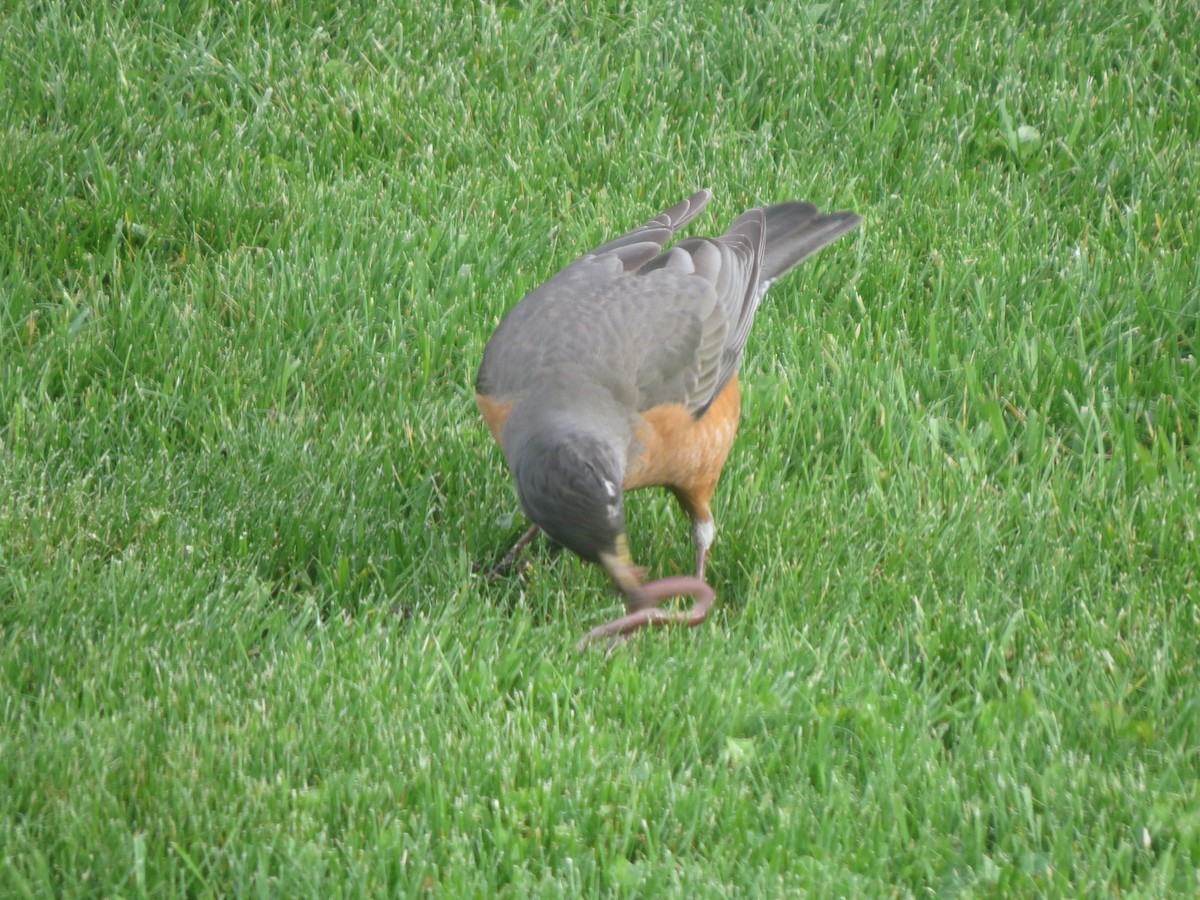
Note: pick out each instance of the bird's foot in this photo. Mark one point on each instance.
(505, 566)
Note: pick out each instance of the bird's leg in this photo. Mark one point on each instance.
(695, 502)
(505, 565)
(703, 531)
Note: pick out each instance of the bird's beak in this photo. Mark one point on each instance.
(627, 577)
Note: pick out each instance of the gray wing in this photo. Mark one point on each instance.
(761, 246)
(635, 248)
(581, 319)
(651, 326)
(639, 337)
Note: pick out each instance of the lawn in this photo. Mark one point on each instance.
(249, 258)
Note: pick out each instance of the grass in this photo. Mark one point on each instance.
(249, 258)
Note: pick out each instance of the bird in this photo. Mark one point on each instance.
(621, 372)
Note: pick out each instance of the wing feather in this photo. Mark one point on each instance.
(652, 325)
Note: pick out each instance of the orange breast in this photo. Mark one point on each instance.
(495, 414)
(674, 450)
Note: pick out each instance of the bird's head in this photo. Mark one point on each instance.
(569, 484)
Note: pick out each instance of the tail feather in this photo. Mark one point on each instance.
(795, 231)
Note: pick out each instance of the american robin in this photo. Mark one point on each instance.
(621, 372)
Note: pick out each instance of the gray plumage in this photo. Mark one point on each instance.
(649, 326)
(624, 329)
